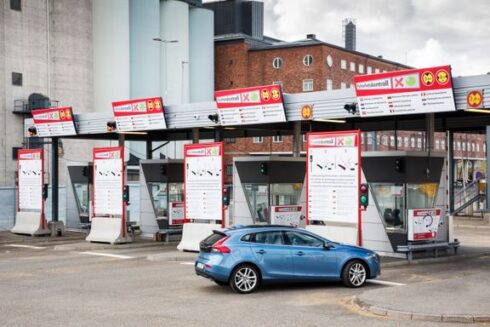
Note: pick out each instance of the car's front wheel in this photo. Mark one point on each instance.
(244, 279)
(354, 274)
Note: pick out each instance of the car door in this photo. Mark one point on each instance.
(311, 260)
(272, 254)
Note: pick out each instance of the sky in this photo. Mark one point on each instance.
(420, 33)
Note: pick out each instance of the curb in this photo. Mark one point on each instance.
(453, 258)
(405, 315)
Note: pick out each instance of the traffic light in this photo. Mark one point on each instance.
(363, 196)
(263, 168)
(226, 197)
(85, 171)
(399, 165)
(163, 170)
(126, 194)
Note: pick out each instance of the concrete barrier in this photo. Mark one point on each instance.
(193, 234)
(107, 230)
(342, 234)
(30, 223)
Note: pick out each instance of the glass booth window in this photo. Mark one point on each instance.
(421, 195)
(258, 201)
(82, 192)
(390, 200)
(175, 192)
(159, 196)
(285, 194)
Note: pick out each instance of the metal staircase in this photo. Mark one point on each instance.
(467, 196)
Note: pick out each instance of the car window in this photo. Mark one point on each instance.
(275, 238)
(301, 239)
(213, 238)
(248, 238)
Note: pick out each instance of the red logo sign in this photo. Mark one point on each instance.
(474, 99)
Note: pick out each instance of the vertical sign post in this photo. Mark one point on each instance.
(108, 222)
(332, 182)
(203, 181)
(30, 217)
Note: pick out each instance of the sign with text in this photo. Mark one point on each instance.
(423, 224)
(415, 91)
(139, 115)
(108, 181)
(203, 178)
(30, 174)
(286, 215)
(253, 105)
(54, 122)
(176, 213)
(333, 177)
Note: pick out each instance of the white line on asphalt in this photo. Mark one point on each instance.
(26, 246)
(187, 263)
(118, 256)
(384, 282)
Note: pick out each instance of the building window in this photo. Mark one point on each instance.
(277, 63)
(419, 143)
(307, 60)
(229, 170)
(352, 66)
(343, 64)
(15, 5)
(376, 70)
(437, 144)
(384, 140)
(343, 85)
(392, 141)
(473, 147)
(329, 61)
(443, 145)
(277, 139)
(458, 146)
(477, 147)
(369, 69)
(412, 142)
(258, 139)
(464, 146)
(329, 84)
(405, 142)
(399, 141)
(361, 69)
(277, 83)
(230, 140)
(307, 85)
(17, 79)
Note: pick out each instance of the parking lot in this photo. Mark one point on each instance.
(78, 284)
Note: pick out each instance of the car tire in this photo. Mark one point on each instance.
(244, 279)
(354, 274)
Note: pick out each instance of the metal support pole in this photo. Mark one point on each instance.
(487, 192)
(149, 152)
(218, 136)
(450, 169)
(429, 132)
(54, 179)
(195, 135)
(297, 141)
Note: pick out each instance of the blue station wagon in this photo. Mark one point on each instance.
(246, 256)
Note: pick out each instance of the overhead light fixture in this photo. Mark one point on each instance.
(230, 128)
(208, 127)
(133, 133)
(335, 121)
(483, 111)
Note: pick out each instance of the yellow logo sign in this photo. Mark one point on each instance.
(474, 99)
(306, 111)
(427, 78)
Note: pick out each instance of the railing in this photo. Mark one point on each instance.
(467, 196)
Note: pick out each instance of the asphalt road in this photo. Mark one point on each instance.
(44, 287)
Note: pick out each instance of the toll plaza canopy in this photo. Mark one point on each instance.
(330, 105)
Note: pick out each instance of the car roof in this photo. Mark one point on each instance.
(256, 228)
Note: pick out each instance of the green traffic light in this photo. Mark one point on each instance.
(363, 199)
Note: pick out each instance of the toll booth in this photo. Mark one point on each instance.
(268, 190)
(161, 197)
(79, 196)
(407, 202)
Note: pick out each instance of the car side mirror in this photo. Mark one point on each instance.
(328, 246)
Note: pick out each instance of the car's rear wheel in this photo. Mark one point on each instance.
(244, 279)
(354, 274)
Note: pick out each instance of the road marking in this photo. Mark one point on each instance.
(187, 263)
(26, 246)
(384, 282)
(118, 256)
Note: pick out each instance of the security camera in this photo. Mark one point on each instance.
(196, 117)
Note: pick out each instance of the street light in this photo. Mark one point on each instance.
(165, 56)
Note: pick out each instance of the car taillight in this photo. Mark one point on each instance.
(220, 247)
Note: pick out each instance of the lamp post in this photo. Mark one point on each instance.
(165, 42)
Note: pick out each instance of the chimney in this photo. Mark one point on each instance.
(311, 36)
(349, 33)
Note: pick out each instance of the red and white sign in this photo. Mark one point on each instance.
(203, 181)
(31, 178)
(176, 214)
(286, 215)
(423, 224)
(54, 122)
(253, 105)
(333, 177)
(415, 91)
(139, 115)
(108, 182)
(474, 99)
